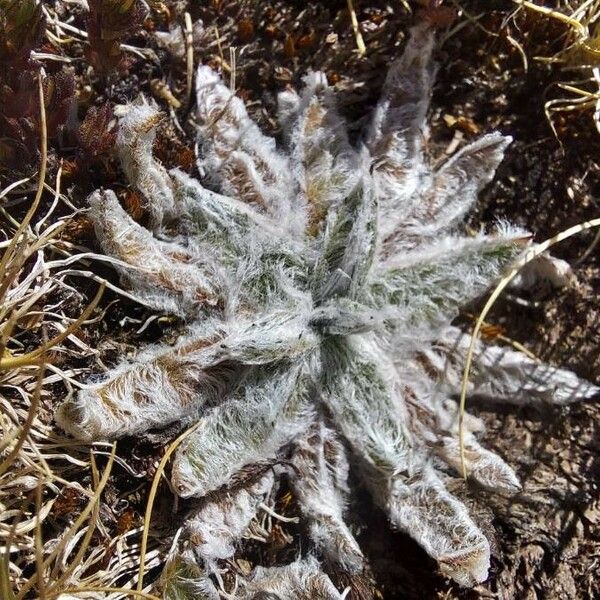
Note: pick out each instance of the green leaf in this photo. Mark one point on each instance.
(268, 411)
(429, 286)
(357, 389)
(348, 248)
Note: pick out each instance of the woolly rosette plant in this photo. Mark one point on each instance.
(318, 284)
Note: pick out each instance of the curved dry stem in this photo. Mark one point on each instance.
(360, 42)
(29, 358)
(32, 413)
(152, 495)
(527, 257)
(38, 541)
(554, 14)
(5, 579)
(75, 527)
(85, 543)
(40, 189)
(189, 57)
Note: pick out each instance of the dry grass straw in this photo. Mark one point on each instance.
(152, 496)
(189, 58)
(360, 43)
(38, 467)
(580, 54)
(526, 258)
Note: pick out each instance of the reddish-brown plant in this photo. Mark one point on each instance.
(109, 23)
(22, 26)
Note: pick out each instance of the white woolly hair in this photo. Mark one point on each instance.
(162, 386)
(137, 132)
(440, 524)
(167, 275)
(157, 389)
(434, 420)
(425, 287)
(237, 156)
(503, 374)
(320, 481)
(317, 284)
(301, 579)
(183, 578)
(249, 429)
(216, 528)
(326, 167)
(367, 403)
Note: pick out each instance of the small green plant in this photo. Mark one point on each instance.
(318, 286)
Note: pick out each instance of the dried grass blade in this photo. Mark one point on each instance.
(30, 357)
(527, 257)
(74, 528)
(148, 515)
(40, 189)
